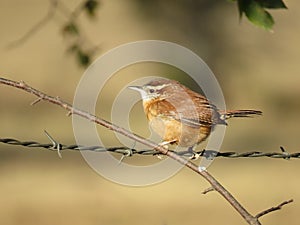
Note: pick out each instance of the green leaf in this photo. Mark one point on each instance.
(84, 59)
(90, 6)
(273, 4)
(256, 13)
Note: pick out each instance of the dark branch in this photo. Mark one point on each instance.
(208, 190)
(272, 209)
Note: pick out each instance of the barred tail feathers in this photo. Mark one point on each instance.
(240, 113)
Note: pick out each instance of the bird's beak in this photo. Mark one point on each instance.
(140, 89)
(136, 88)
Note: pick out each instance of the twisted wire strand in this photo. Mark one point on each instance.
(209, 154)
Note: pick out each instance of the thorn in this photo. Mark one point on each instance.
(69, 113)
(207, 190)
(35, 101)
(22, 83)
(56, 145)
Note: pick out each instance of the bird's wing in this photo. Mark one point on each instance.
(194, 112)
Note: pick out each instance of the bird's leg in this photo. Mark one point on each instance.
(165, 143)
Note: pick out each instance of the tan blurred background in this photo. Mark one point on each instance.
(255, 68)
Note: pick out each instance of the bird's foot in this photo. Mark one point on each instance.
(194, 155)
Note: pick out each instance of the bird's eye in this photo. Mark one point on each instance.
(151, 90)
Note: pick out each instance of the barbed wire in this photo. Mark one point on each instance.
(125, 151)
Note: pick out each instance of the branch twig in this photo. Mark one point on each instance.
(81, 46)
(272, 209)
(37, 26)
(253, 220)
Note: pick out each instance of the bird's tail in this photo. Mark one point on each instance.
(239, 113)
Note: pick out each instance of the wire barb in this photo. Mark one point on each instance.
(55, 144)
(127, 153)
(287, 155)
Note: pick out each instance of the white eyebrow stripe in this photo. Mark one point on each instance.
(158, 87)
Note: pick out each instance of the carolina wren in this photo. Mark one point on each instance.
(181, 116)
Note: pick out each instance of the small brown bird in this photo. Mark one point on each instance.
(181, 116)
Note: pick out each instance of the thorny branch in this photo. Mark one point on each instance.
(253, 220)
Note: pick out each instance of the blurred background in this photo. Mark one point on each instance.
(255, 68)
